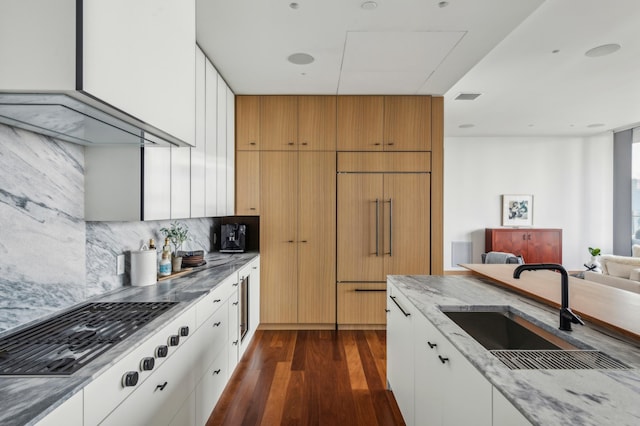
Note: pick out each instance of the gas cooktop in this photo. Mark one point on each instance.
(62, 345)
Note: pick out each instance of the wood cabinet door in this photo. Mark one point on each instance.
(544, 246)
(247, 123)
(362, 304)
(316, 123)
(316, 237)
(407, 224)
(359, 236)
(247, 183)
(508, 241)
(360, 123)
(278, 224)
(407, 123)
(279, 123)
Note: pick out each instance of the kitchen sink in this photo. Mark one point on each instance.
(500, 328)
(520, 344)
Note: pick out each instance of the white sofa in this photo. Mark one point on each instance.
(618, 271)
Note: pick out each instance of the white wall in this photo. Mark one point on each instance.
(570, 179)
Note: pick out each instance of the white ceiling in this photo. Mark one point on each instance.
(499, 48)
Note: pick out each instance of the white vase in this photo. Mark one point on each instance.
(595, 265)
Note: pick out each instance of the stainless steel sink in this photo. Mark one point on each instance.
(521, 344)
(501, 328)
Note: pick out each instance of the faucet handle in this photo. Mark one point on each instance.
(569, 314)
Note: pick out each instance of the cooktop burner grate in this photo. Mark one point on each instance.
(62, 345)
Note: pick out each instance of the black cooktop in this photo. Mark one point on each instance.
(63, 344)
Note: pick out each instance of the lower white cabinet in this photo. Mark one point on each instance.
(211, 386)
(187, 414)
(448, 389)
(400, 352)
(69, 413)
(433, 383)
(234, 329)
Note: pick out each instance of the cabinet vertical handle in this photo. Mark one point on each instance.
(393, 299)
(528, 237)
(390, 227)
(524, 236)
(377, 226)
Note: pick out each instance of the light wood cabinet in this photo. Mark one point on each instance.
(534, 245)
(286, 123)
(361, 304)
(247, 183)
(297, 234)
(384, 123)
(247, 123)
(278, 234)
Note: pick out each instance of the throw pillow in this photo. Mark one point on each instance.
(635, 274)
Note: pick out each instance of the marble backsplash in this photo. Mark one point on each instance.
(50, 258)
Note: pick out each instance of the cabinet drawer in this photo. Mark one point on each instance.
(104, 393)
(160, 397)
(215, 299)
(211, 338)
(210, 387)
(362, 304)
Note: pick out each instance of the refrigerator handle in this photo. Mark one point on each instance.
(377, 227)
(390, 227)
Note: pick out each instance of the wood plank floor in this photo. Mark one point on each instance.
(310, 378)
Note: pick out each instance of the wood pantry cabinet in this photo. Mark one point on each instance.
(383, 226)
(534, 245)
(384, 123)
(297, 234)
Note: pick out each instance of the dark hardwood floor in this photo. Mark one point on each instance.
(310, 378)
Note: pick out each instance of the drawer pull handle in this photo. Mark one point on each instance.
(393, 299)
(252, 143)
(217, 324)
(236, 284)
(235, 303)
(162, 386)
(370, 290)
(442, 359)
(432, 345)
(235, 342)
(217, 301)
(217, 371)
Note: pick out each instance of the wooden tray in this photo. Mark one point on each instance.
(175, 274)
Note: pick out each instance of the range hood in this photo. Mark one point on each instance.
(66, 118)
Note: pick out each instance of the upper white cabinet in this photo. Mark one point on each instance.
(211, 125)
(134, 59)
(198, 151)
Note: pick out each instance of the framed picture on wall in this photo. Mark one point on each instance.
(517, 210)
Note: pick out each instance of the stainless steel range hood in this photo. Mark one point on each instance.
(66, 118)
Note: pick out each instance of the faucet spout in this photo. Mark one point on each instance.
(567, 317)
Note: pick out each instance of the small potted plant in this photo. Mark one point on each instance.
(594, 264)
(177, 233)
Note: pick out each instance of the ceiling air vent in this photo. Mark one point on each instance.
(467, 96)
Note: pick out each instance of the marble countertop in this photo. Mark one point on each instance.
(545, 397)
(25, 400)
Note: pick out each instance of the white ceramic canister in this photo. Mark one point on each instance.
(144, 267)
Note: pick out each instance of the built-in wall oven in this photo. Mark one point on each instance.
(244, 306)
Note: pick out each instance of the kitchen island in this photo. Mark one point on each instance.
(542, 396)
(28, 400)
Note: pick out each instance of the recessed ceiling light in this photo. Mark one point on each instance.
(466, 126)
(294, 5)
(605, 49)
(443, 4)
(369, 5)
(300, 58)
(596, 125)
(467, 96)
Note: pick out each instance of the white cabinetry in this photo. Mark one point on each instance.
(433, 383)
(400, 351)
(69, 413)
(198, 159)
(125, 183)
(132, 59)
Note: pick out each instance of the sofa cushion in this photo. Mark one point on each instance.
(635, 274)
(635, 250)
(611, 281)
(619, 266)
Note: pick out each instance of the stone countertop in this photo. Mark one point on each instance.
(545, 397)
(25, 400)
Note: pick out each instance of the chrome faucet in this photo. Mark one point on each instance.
(566, 315)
